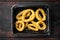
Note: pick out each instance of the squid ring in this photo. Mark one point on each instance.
(33, 27)
(43, 25)
(19, 15)
(32, 16)
(21, 26)
(39, 16)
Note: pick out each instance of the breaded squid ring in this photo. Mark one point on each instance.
(19, 27)
(19, 15)
(32, 16)
(43, 27)
(38, 16)
(31, 28)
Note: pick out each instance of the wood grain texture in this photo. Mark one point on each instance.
(5, 23)
(29, 0)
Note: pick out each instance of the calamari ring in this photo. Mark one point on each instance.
(39, 16)
(43, 27)
(31, 28)
(19, 27)
(19, 15)
(32, 16)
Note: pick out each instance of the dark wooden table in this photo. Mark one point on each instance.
(5, 22)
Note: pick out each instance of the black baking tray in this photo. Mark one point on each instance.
(30, 5)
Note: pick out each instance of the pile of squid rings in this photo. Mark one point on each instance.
(28, 15)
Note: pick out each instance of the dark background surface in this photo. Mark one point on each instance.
(5, 22)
